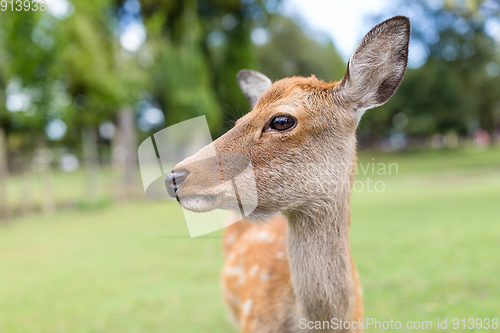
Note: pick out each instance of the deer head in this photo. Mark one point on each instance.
(300, 134)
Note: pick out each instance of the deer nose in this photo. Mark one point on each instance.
(174, 181)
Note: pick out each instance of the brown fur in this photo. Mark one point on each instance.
(272, 299)
(282, 268)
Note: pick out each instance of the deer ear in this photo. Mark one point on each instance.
(378, 64)
(253, 84)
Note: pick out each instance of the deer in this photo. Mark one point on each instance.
(288, 265)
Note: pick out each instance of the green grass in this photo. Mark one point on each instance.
(111, 270)
(427, 247)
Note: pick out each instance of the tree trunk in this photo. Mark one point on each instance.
(91, 156)
(128, 134)
(43, 159)
(28, 179)
(4, 205)
(117, 166)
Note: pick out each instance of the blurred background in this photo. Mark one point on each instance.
(84, 82)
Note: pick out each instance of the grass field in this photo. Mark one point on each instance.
(427, 247)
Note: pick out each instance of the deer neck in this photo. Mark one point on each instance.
(320, 257)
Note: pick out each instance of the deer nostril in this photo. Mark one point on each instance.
(174, 180)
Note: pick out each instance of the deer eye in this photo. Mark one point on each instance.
(282, 123)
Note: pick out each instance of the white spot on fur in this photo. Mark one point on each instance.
(253, 270)
(264, 276)
(264, 236)
(236, 271)
(232, 271)
(247, 306)
(280, 254)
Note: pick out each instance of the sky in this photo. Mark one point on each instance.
(344, 21)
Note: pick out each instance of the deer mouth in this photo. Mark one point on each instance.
(221, 198)
(199, 203)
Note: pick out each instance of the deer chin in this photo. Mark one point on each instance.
(218, 197)
(200, 203)
(207, 203)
